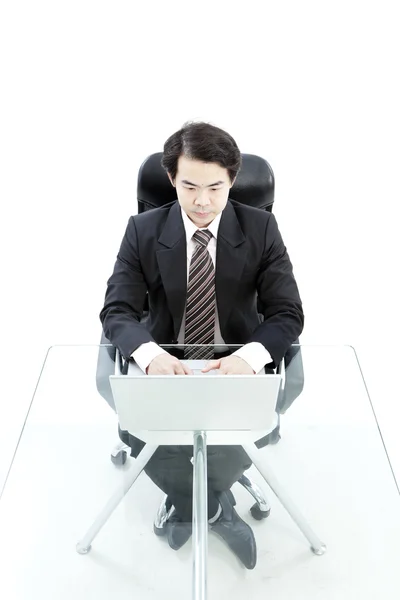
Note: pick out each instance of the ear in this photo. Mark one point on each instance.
(233, 181)
(171, 180)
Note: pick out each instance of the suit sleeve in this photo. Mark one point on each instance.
(125, 296)
(279, 297)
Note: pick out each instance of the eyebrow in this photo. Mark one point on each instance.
(185, 181)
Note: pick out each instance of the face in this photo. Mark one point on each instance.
(202, 189)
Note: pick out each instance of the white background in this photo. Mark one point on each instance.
(89, 89)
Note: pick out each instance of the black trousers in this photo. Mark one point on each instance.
(170, 468)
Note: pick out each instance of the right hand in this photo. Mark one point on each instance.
(166, 364)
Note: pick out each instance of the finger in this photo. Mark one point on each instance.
(212, 364)
(178, 368)
(186, 369)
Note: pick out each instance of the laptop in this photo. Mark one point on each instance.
(202, 401)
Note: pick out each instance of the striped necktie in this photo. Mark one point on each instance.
(200, 301)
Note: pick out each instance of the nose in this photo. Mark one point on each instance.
(202, 198)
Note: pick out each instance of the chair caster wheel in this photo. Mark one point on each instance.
(259, 514)
(119, 459)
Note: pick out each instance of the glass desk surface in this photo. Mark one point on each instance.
(331, 460)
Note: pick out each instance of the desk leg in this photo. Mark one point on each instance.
(200, 516)
(262, 466)
(84, 545)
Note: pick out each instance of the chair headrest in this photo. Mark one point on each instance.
(254, 185)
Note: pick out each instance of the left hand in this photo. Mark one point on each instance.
(229, 365)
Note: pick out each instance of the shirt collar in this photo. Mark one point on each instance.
(190, 227)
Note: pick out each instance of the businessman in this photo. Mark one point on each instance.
(203, 260)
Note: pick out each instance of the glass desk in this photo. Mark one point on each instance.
(331, 460)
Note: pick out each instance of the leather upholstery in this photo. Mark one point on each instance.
(254, 185)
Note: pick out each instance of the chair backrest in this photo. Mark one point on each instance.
(254, 185)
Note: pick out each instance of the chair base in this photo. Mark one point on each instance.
(259, 514)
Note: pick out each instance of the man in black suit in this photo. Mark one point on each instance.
(203, 260)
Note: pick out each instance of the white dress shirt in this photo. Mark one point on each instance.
(254, 353)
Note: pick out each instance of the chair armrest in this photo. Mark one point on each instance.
(105, 368)
(121, 365)
(118, 362)
(282, 372)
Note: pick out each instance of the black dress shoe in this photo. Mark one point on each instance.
(237, 534)
(177, 531)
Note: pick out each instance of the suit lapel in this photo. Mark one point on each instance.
(231, 258)
(172, 262)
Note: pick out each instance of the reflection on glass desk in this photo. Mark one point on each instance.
(331, 459)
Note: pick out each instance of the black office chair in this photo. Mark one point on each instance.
(254, 186)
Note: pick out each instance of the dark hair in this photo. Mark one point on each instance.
(204, 142)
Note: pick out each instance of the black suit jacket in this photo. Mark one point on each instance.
(251, 262)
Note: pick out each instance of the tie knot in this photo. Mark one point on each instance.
(202, 237)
